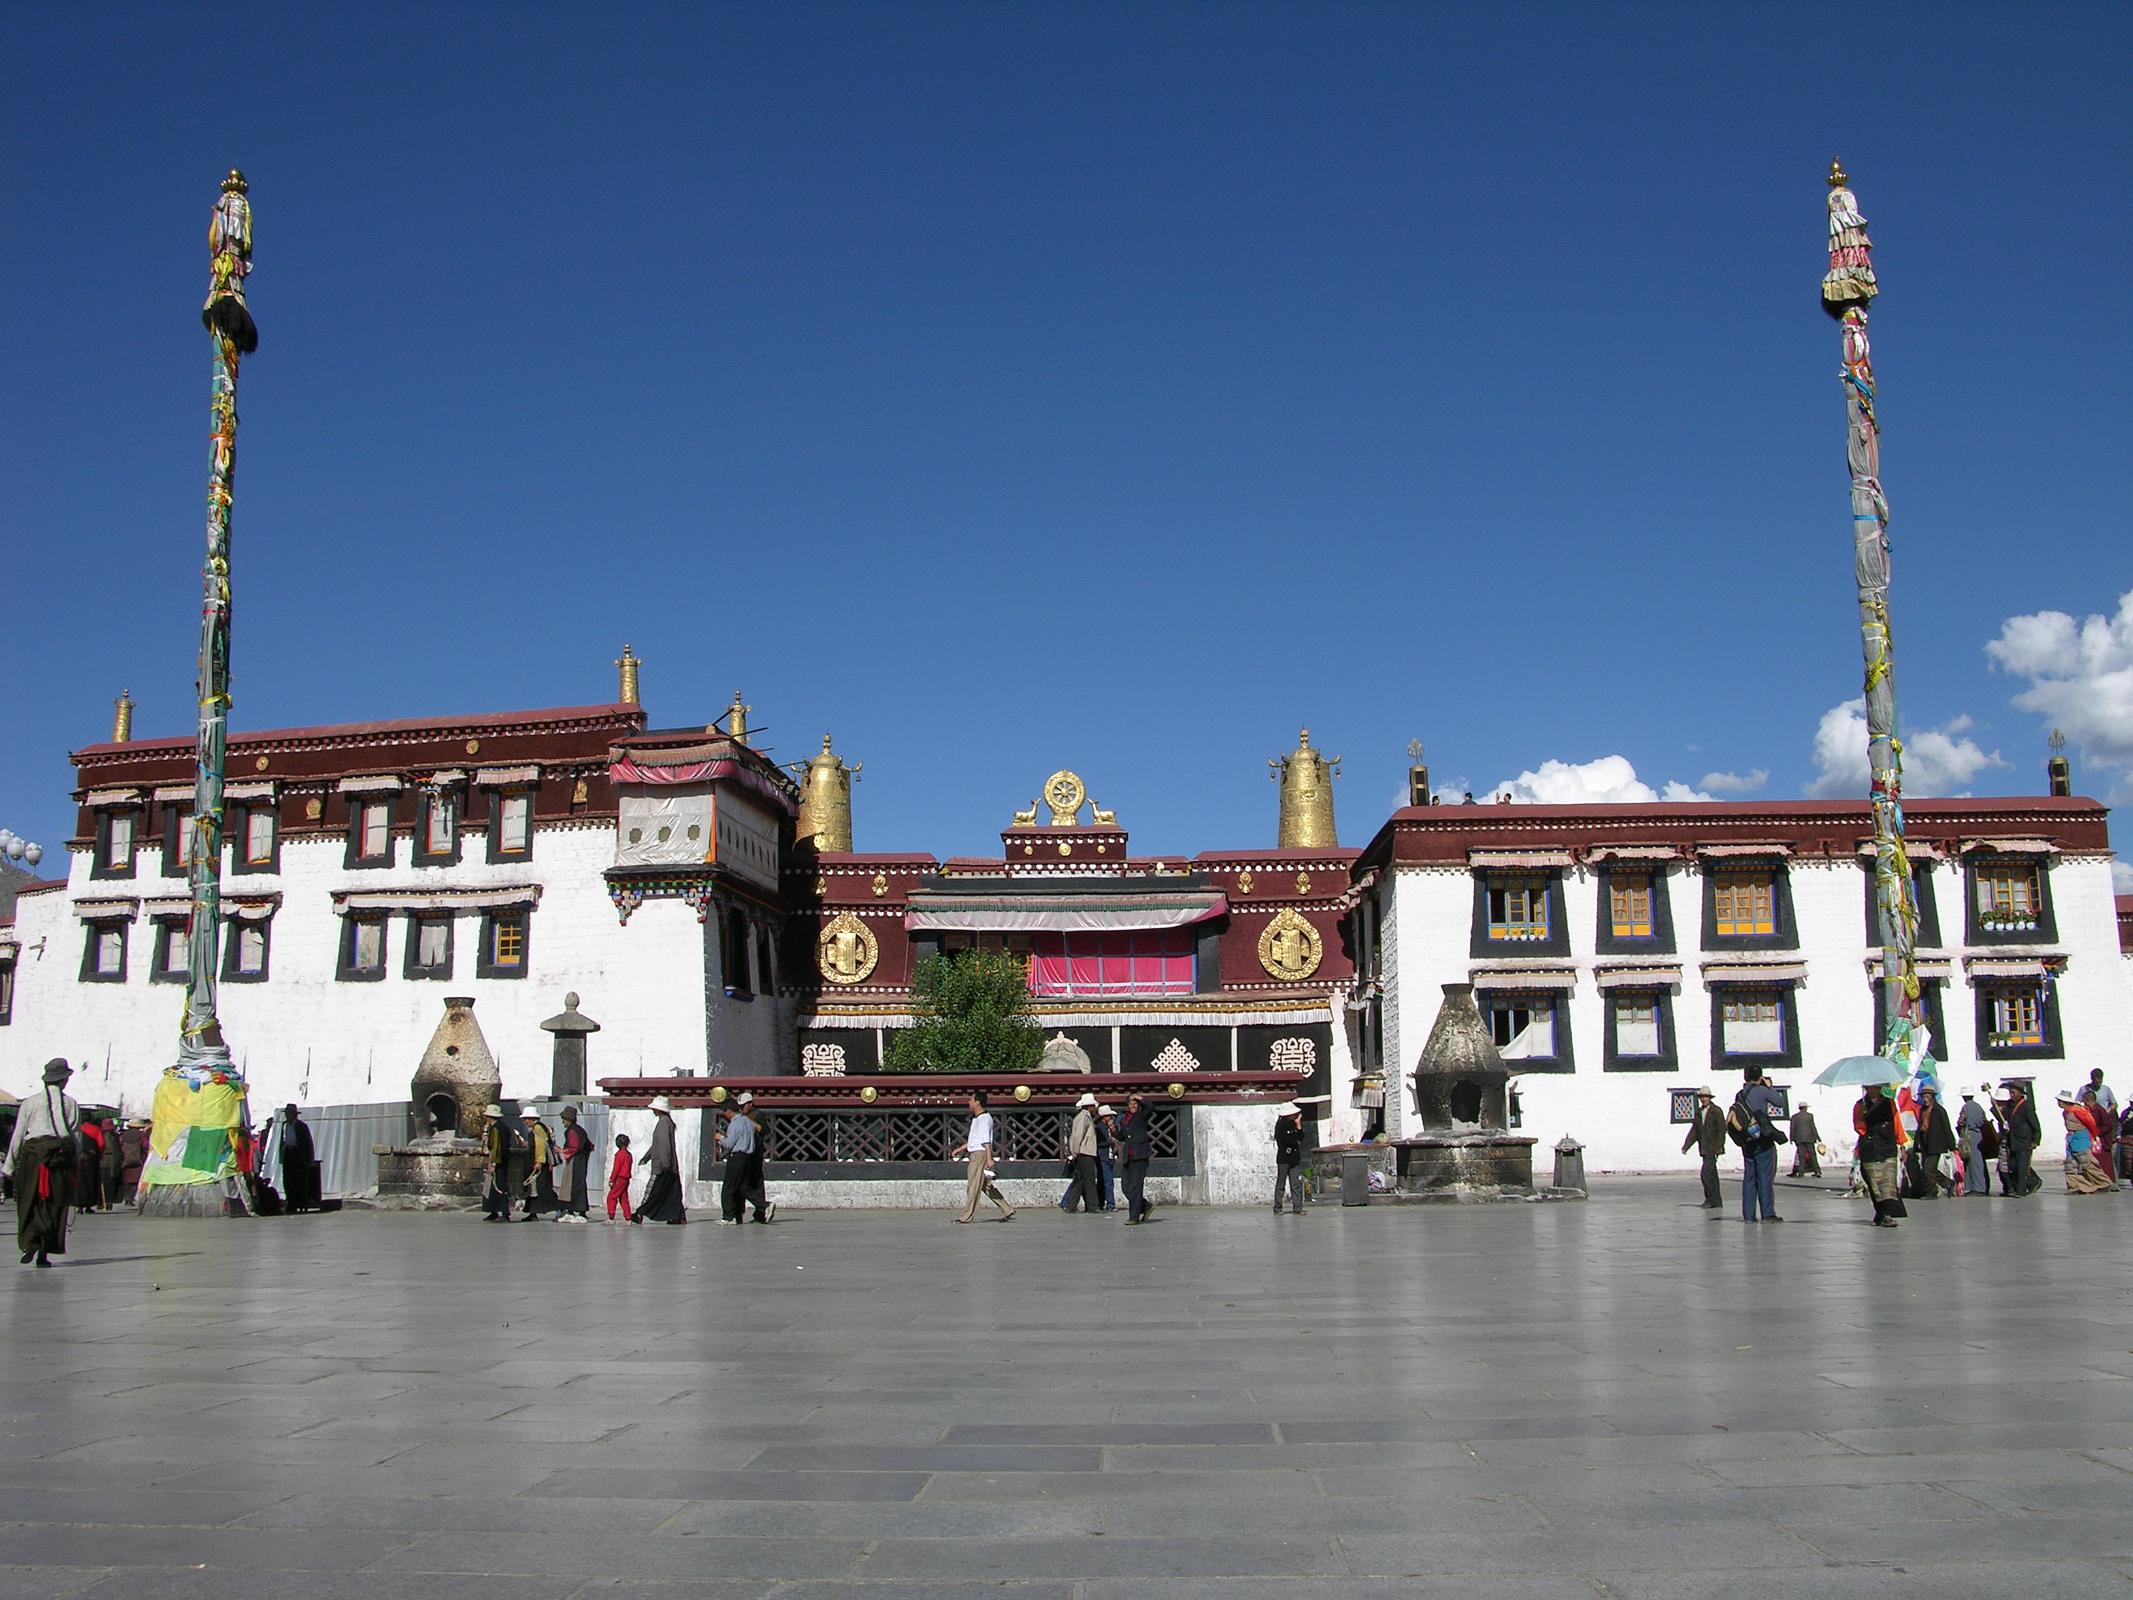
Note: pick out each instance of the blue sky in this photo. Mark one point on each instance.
(1006, 387)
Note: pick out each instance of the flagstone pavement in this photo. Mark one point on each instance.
(1627, 1397)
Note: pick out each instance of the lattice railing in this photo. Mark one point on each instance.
(873, 1137)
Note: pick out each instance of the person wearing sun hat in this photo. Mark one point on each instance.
(40, 1159)
(1288, 1157)
(496, 1142)
(1081, 1149)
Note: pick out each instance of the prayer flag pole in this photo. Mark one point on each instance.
(231, 333)
(1847, 288)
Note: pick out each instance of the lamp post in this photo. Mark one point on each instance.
(1847, 289)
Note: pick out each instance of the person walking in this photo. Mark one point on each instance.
(2106, 1125)
(977, 1174)
(299, 1165)
(1081, 1150)
(742, 1142)
(1707, 1137)
(89, 1166)
(541, 1198)
(2083, 1175)
(2024, 1134)
(497, 1142)
(1971, 1126)
(41, 1155)
(1935, 1146)
(1806, 1144)
(1106, 1122)
(1754, 1130)
(1136, 1144)
(1880, 1136)
(577, 1167)
(618, 1181)
(1288, 1158)
(662, 1190)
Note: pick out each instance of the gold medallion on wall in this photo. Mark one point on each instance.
(1290, 948)
(847, 951)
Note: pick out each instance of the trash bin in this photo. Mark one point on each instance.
(1355, 1177)
(1569, 1163)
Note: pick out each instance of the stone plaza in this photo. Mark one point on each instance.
(1625, 1397)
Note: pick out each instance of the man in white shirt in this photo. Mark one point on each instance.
(40, 1160)
(977, 1144)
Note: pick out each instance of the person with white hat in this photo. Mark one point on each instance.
(501, 1142)
(662, 1192)
(1288, 1157)
(40, 1159)
(1081, 1151)
(742, 1142)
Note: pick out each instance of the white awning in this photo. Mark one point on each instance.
(111, 910)
(1654, 977)
(113, 797)
(1534, 859)
(1060, 913)
(1553, 978)
(1753, 972)
(519, 894)
(1776, 848)
(1936, 967)
(1916, 849)
(2012, 847)
(374, 783)
(260, 910)
(2012, 966)
(444, 779)
(505, 777)
(248, 791)
(1634, 852)
(167, 793)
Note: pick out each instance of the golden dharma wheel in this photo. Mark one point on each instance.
(1022, 1092)
(868, 1095)
(1176, 1091)
(718, 1094)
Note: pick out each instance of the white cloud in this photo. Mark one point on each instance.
(1609, 780)
(2121, 876)
(1734, 782)
(2080, 675)
(1935, 760)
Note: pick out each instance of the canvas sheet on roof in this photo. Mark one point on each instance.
(664, 827)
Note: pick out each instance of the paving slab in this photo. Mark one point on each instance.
(1496, 1403)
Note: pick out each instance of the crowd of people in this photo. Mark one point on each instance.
(1907, 1147)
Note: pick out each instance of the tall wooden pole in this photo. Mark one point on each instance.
(232, 334)
(1847, 289)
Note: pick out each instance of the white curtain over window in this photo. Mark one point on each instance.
(664, 827)
(514, 814)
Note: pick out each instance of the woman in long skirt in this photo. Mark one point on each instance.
(1880, 1135)
(540, 1181)
(42, 1155)
(2083, 1174)
(662, 1193)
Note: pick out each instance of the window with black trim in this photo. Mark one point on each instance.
(1519, 913)
(362, 947)
(437, 830)
(116, 830)
(370, 831)
(103, 956)
(503, 943)
(7, 992)
(1922, 896)
(2010, 900)
(244, 950)
(733, 955)
(1635, 914)
(256, 837)
(1536, 1020)
(511, 825)
(1639, 1031)
(177, 840)
(1747, 907)
(173, 952)
(765, 974)
(1754, 1026)
(2018, 1020)
(429, 945)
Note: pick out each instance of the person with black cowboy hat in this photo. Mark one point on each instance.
(40, 1159)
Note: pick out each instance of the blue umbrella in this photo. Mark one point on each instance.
(1862, 1069)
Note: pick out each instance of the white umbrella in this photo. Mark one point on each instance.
(1862, 1069)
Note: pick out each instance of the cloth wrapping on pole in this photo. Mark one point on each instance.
(200, 1129)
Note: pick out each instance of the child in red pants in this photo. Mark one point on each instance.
(618, 1180)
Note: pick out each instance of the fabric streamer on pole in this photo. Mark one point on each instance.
(1847, 289)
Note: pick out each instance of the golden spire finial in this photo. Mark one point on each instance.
(629, 665)
(122, 717)
(737, 719)
(235, 184)
(826, 799)
(1306, 779)
(1838, 177)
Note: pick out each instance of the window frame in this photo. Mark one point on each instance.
(1932, 996)
(160, 969)
(1564, 1060)
(1786, 1058)
(1784, 929)
(455, 812)
(233, 949)
(485, 963)
(93, 928)
(7, 989)
(345, 968)
(1668, 1058)
(498, 799)
(1175, 951)
(2043, 930)
(102, 864)
(177, 821)
(359, 806)
(1550, 880)
(412, 967)
(2052, 1047)
(240, 838)
(1661, 939)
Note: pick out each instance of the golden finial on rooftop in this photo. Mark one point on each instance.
(826, 799)
(122, 717)
(737, 719)
(235, 184)
(629, 665)
(1838, 177)
(1306, 779)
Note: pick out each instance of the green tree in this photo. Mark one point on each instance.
(972, 1015)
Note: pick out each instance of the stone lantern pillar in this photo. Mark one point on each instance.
(569, 1027)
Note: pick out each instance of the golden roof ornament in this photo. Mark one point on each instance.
(629, 665)
(1838, 177)
(122, 717)
(737, 719)
(825, 799)
(235, 184)
(1306, 779)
